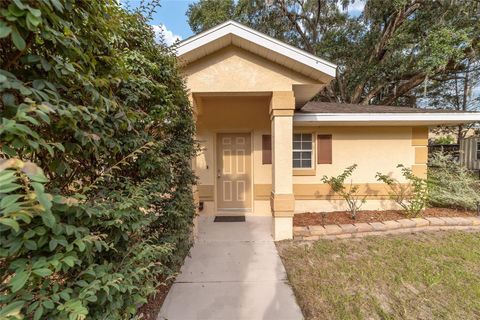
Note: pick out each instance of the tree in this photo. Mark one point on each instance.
(457, 91)
(385, 54)
(209, 13)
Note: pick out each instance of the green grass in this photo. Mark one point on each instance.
(414, 276)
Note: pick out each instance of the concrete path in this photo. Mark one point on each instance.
(233, 273)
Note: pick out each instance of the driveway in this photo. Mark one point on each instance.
(233, 272)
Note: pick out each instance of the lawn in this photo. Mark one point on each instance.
(414, 276)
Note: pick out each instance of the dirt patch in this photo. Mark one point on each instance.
(150, 310)
(343, 217)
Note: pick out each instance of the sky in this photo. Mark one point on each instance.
(171, 21)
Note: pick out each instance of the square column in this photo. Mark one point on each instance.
(282, 201)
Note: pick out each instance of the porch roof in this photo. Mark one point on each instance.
(314, 113)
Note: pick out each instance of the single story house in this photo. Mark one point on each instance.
(265, 145)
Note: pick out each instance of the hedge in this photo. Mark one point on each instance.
(96, 137)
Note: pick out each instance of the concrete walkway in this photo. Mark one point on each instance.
(233, 272)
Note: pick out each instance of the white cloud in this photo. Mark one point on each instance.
(355, 8)
(168, 36)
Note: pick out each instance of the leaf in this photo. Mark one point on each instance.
(8, 99)
(34, 172)
(30, 245)
(33, 21)
(19, 280)
(9, 187)
(11, 310)
(43, 272)
(70, 261)
(18, 40)
(9, 200)
(35, 12)
(81, 246)
(38, 313)
(5, 31)
(52, 244)
(48, 219)
(57, 4)
(11, 223)
(48, 304)
(19, 4)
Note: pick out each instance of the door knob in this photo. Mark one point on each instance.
(218, 174)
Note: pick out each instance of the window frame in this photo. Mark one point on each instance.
(311, 150)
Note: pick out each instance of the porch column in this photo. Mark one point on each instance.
(282, 201)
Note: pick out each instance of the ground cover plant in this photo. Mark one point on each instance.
(451, 185)
(414, 276)
(96, 137)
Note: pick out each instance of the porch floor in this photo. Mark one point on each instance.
(233, 272)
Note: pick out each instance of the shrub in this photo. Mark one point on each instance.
(411, 196)
(448, 139)
(95, 179)
(349, 193)
(450, 184)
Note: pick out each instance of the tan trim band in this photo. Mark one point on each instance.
(421, 155)
(420, 170)
(372, 191)
(419, 136)
(206, 192)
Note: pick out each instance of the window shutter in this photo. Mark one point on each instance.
(324, 149)
(266, 149)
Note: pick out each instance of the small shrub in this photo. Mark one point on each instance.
(450, 184)
(411, 196)
(449, 139)
(350, 193)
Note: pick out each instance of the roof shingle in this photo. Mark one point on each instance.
(328, 107)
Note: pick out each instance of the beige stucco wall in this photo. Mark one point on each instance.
(373, 149)
(233, 69)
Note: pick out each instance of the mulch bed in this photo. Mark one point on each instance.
(343, 217)
(150, 310)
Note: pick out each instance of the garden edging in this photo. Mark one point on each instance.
(343, 231)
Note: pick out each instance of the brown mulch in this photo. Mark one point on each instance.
(343, 217)
(150, 310)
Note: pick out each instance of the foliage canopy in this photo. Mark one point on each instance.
(96, 137)
(387, 54)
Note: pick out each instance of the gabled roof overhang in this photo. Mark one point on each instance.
(234, 33)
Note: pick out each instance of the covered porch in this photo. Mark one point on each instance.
(245, 160)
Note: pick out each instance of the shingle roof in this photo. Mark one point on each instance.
(328, 107)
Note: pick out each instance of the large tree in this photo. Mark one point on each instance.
(384, 54)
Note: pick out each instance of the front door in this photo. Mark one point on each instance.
(234, 171)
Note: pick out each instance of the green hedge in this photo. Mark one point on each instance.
(96, 138)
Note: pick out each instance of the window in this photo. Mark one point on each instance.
(302, 150)
(478, 150)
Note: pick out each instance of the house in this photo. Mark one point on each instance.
(470, 152)
(265, 145)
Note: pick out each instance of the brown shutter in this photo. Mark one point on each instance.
(266, 149)
(324, 148)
